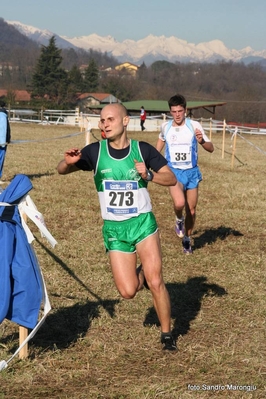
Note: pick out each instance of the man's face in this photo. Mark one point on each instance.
(113, 121)
(178, 113)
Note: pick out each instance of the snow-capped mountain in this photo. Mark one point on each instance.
(147, 50)
(153, 48)
(40, 36)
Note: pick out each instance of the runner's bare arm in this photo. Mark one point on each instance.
(67, 165)
(164, 176)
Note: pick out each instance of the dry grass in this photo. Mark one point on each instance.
(95, 344)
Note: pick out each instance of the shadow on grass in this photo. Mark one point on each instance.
(68, 324)
(229, 153)
(186, 301)
(63, 328)
(212, 235)
(39, 175)
(35, 175)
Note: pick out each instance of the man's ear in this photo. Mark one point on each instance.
(126, 120)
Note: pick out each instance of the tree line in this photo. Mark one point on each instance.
(54, 78)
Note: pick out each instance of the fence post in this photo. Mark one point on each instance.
(223, 140)
(77, 116)
(42, 114)
(81, 121)
(23, 331)
(210, 129)
(234, 150)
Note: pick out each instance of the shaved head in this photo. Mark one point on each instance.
(116, 106)
(114, 120)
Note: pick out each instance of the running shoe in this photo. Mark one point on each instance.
(187, 246)
(168, 342)
(180, 227)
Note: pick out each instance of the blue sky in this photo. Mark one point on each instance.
(238, 23)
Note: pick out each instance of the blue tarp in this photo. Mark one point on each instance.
(21, 289)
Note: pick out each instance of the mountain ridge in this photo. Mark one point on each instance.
(149, 49)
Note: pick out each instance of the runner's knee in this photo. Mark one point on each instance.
(127, 292)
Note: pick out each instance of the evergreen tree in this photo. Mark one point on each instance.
(91, 79)
(76, 79)
(49, 79)
(142, 71)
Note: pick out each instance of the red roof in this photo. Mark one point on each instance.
(97, 96)
(20, 95)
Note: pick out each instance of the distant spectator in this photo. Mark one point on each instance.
(142, 118)
(5, 135)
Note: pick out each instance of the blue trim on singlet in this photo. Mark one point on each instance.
(194, 144)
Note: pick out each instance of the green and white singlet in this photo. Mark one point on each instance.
(122, 192)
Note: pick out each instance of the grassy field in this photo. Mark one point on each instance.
(96, 345)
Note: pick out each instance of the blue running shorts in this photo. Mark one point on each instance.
(190, 178)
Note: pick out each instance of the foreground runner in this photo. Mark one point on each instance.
(121, 174)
